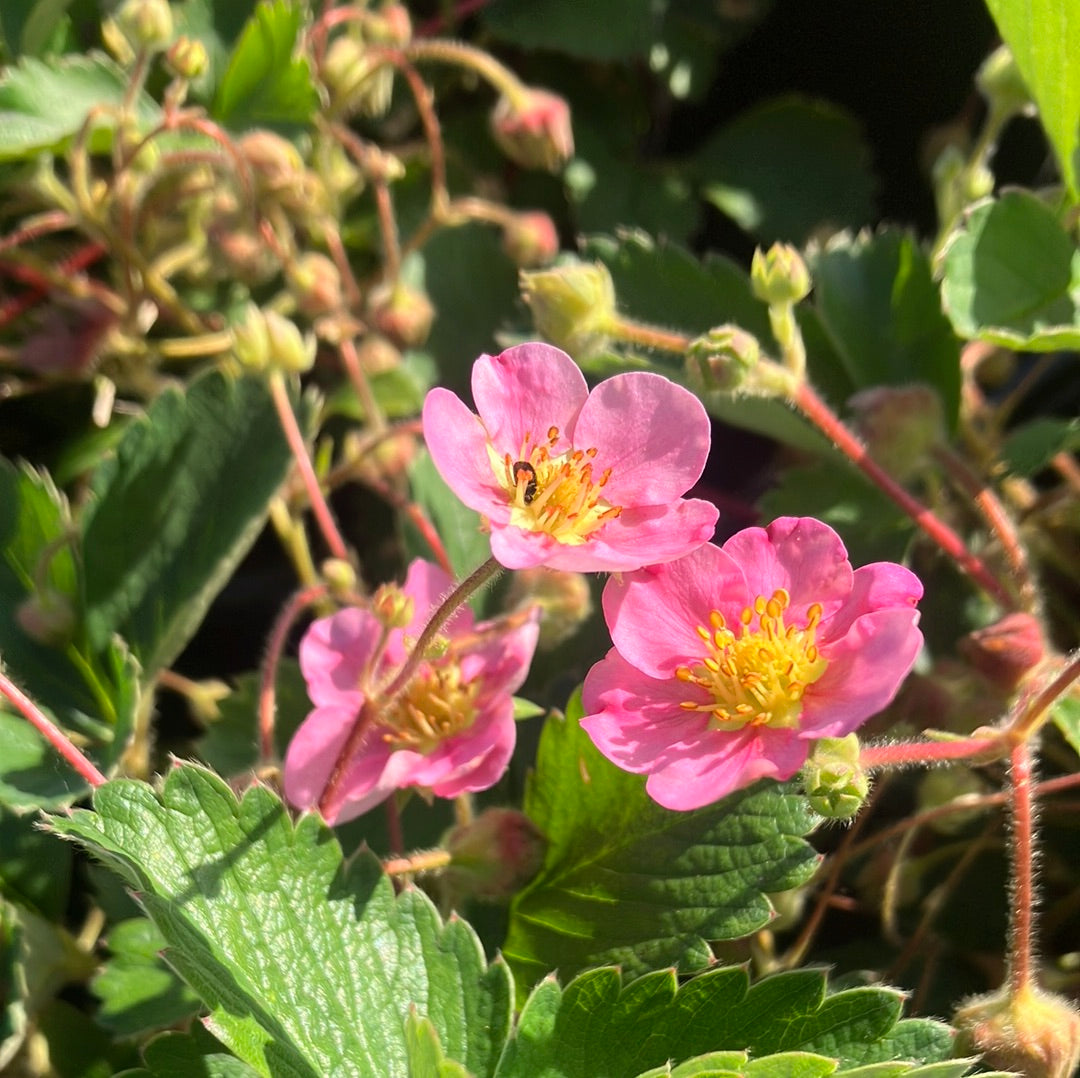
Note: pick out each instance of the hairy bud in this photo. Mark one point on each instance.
(402, 313)
(315, 284)
(1005, 652)
(146, 24)
(835, 784)
(779, 275)
(722, 359)
(573, 306)
(900, 425)
(494, 856)
(392, 606)
(533, 129)
(530, 239)
(187, 58)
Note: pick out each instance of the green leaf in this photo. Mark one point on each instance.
(175, 510)
(790, 1065)
(43, 104)
(1066, 716)
(35, 870)
(258, 911)
(709, 1065)
(882, 311)
(788, 168)
(599, 1026)
(12, 985)
(1012, 276)
(607, 843)
(426, 1059)
(178, 1055)
(1030, 448)
(138, 992)
(598, 30)
(266, 83)
(1044, 36)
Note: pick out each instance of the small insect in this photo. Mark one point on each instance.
(524, 468)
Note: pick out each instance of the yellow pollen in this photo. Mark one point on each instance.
(554, 493)
(436, 705)
(759, 675)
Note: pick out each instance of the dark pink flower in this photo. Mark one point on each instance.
(450, 732)
(729, 662)
(570, 479)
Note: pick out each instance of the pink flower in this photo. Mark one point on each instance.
(728, 663)
(450, 732)
(571, 479)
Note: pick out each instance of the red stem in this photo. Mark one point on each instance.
(1022, 892)
(874, 757)
(51, 732)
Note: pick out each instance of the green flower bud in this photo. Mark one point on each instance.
(402, 313)
(392, 606)
(1000, 82)
(779, 275)
(835, 784)
(722, 359)
(146, 23)
(316, 284)
(494, 856)
(573, 306)
(290, 350)
(339, 575)
(187, 58)
(251, 339)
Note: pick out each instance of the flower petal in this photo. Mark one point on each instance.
(457, 442)
(653, 614)
(653, 435)
(877, 586)
(526, 390)
(334, 653)
(516, 548)
(502, 656)
(866, 668)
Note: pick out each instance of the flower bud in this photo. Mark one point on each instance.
(900, 425)
(495, 855)
(835, 784)
(402, 313)
(47, 617)
(203, 698)
(392, 606)
(315, 283)
(251, 339)
(1005, 652)
(563, 598)
(722, 359)
(1000, 82)
(356, 81)
(290, 350)
(339, 575)
(779, 275)
(530, 239)
(377, 355)
(1031, 1032)
(276, 162)
(573, 306)
(146, 24)
(533, 129)
(187, 58)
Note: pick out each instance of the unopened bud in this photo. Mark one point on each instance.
(203, 698)
(533, 129)
(316, 284)
(495, 855)
(1000, 82)
(1031, 1032)
(355, 80)
(530, 239)
(722, 359)
(251, 339)
(340, 576)
(402, 313)
(573, 306)
(779, 275)
(276, 162)
(900, 425)
(290, 350)
(1007, 651)
(377, 355)
(836, 786)
(563, 598)
(47, 617)
(146, 23)
(392, 606)
(187, 58)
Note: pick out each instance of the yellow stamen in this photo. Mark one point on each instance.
(436, 705)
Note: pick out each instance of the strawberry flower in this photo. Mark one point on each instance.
(451, 731)
(730, 662)
(570, 479)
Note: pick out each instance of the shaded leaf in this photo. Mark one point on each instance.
(598, 30)
(178, 1055)
(309, 964)
(676, 879)
(35, 870)
(1030, 448)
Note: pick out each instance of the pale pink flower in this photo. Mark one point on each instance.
(729, 662)
(450, 732)
(570, 479)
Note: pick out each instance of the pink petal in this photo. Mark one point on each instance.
(877, 586)
(516, 548)
(526, 390)
(457, 442)
(726, 763)
(427, 585)
(653, 435)
(475, 760)
(866, 668)
(503, 656)
(800, 554)
(334, 653)
(653, 614)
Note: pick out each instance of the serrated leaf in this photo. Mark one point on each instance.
(1012, 276)
(138, 992)
(598, 1027)
(1044, 36)
(882, 311)
(175, 510)
(709, 1065)
(43, 104)
(1030, 448)
(308, 964)
(266, 83)
(790, 1065)
(676, 879)
(786, 168)
(426, 1059)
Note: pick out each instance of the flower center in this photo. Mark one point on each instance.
(758, 677)
(557, 494)
(437, 704)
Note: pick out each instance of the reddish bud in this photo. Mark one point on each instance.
(1005, 651)
(900, 425)
(533, 129)
(402, 313)
(495, 855)
(316, 284)
(47, 617)
(530, 239)
(187, 58)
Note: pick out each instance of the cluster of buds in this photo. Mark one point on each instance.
(359, 80)
(266, 340)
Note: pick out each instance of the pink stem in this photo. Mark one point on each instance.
(1022, 892)
(874, 757)
(51, 732)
